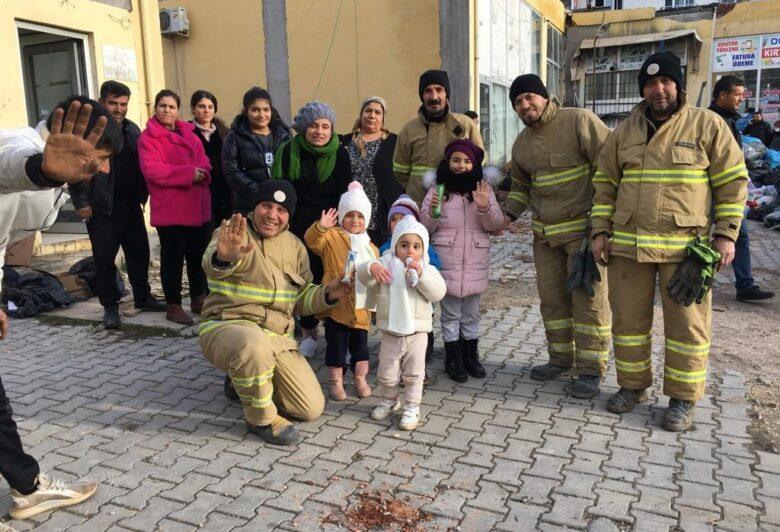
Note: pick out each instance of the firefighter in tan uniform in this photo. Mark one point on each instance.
(421, 142)
(258, 275)
(658, 174)
(553, 162)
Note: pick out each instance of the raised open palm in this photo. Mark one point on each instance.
(69, 155)
(232, 241)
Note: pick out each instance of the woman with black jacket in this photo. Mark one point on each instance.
(255, 136)
(318, 166)
(370, 147)
(212, 132)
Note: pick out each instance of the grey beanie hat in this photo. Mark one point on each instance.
(311, 112)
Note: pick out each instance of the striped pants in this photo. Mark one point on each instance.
(687, 330)
(267, 371)
(577, 326)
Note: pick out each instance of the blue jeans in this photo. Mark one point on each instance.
(743, 273)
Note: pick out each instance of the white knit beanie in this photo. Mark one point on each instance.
(355, 199)
(409, 225)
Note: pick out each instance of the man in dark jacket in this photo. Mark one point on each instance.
(759, 129)
(727, 95)
(111, 204)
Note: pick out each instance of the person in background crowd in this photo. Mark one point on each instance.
(468, 213)
(76, 143)
(370, 147)
(255, 136)
(759, 128)
(473, 115)
(421, 142)
(727, 95)
(112, 203)
(318, 167)
(249, 334)
(645, 225)
(552, 172)
(176, 169)
(212, 132)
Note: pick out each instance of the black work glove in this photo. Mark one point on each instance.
(575, 278)
(686, 284)
(591, 274)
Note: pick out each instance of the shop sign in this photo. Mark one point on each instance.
(736, 53)
(770, 50)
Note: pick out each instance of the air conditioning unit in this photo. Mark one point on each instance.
(174, 21)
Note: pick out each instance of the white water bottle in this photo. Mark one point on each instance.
(411, 273)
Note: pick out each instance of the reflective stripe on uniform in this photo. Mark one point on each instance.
(728, 175)
(253, 381)
(604, 211)
(651, 241)
(572, 226)
(729, 210)
(592, 329)
(561, 347)
(519, 197)
(263, 402)
(672, 175)
(685, 376)
(601, 177)
(210, 325)
(253, 293)
(633, 366)
(701, 350)
(401, 168)
(557, 325)
(592, 354)
(559, 178)
(418, 170)
(632, 340)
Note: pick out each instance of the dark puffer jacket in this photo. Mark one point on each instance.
(246, 162)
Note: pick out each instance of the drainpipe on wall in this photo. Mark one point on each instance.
(149, 27)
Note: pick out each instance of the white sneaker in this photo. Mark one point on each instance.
(51, 493)
(410, 417)
(308, 347)
(385, 408)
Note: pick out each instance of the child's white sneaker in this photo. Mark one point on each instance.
(410, 417)
(308, 347)
(385, 408)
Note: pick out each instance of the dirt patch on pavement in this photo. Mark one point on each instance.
(375, 511)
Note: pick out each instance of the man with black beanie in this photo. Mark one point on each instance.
(660, 175)
(259, 276)
(553, 162)
(421, 142)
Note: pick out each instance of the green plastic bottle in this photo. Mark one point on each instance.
(440, 193)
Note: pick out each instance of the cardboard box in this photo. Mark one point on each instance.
(20, 253)
(73, 285)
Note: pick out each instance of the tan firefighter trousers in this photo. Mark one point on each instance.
(267, 371)
(687, 330)
(577, 326)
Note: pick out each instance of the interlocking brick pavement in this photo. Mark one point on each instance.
(147, 418)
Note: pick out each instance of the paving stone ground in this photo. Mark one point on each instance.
(146, 417)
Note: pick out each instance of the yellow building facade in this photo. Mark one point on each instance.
(54, 48)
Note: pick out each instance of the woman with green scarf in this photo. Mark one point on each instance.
(320, 170)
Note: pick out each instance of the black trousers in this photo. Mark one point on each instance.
(178, 242)
(338, 339)
(317, 271)
(18, 468)
(124, 227)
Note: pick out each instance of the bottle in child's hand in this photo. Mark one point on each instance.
(440, 196)
(411, 273)
(349, 267)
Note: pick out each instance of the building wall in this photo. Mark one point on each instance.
(223, 54)
(748, 18)
(104, 25)
(368, 47)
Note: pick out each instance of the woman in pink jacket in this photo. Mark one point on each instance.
(460, 235)
(176, 170)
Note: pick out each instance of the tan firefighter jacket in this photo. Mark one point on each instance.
(552, 169)
(655, 197)
(264, 288)
(420, 147)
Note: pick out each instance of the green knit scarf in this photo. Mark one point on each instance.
(326, 158)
